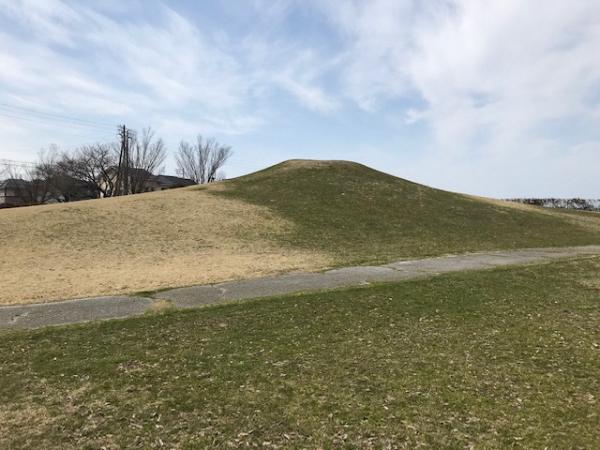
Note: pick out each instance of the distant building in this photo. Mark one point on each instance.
(12, 193)
(163, 182)
(16, 192)
(143, 181)
(170, 182)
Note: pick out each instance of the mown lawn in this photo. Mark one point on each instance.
(494, 359)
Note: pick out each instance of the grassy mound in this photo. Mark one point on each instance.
(358, 214)
(298, 215)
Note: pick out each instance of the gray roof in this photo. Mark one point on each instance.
(170, 181)
(12, 183)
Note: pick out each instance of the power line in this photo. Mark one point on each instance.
(46, 121)
(23, 111)
(12, 162)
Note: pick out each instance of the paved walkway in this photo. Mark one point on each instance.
(99, 308)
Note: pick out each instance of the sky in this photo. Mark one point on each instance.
(489, 97)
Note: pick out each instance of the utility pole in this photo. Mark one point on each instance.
(122, 177)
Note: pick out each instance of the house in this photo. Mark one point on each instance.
(12, 193)
(151, 183)
(63, 188)
(163, 182)
(18, 192)
(140, 180)
(170, 182)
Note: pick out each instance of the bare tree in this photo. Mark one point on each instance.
(147, 155)
(202, 161)
(4, 170)
(61, 185)
(93, 166)
(47, 169)
(190, 165)
(27, 185)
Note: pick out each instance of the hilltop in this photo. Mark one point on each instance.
(297, 215)
(359, 215)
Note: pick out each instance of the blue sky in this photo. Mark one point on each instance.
(498, 98)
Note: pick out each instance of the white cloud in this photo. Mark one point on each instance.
(74, 58)
(379, 37)
(500, 86)
(300, 75)
(77, 58)
(493, 75)
(499, 65)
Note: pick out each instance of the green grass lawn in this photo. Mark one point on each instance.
(360, 215)
(493, 359)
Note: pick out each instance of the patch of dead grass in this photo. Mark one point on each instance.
(45, 410)
(24, 415)
(591, 221)
(143, 242)
(590, 279)
(160, 306)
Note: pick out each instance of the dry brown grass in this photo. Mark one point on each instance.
(143, 242)
(285, 218)
(590, 279)
(589, 220)
(22, 415)
(28, 418)
(160, 306)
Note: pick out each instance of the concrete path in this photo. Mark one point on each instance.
(100, 308)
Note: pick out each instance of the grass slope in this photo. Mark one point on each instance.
(298, 215)
(497, 359)
(358, 214)
(139, 242)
